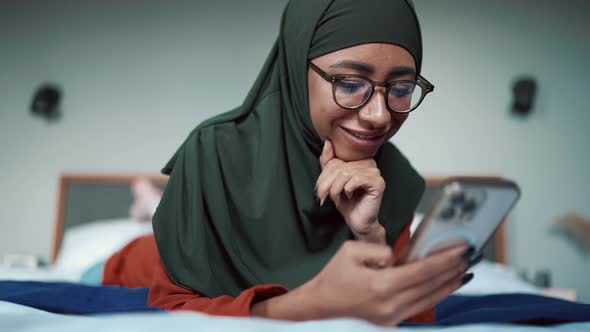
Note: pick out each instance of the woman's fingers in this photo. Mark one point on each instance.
(352, 283)
(335, 166)
(337, 174)
(374, 185)
(408, 301)
(414, 294)
(337, 187)
(415, 273)
(368, 254)
(327, 153)
(432, 298)
(345, 184)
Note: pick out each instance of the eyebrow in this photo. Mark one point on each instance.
(370, 69)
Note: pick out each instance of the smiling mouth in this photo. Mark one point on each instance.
(364, 136)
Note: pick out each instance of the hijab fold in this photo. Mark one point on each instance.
(239, 207)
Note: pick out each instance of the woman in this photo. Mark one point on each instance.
(287, 206)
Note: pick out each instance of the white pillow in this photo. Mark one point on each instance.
(492, 278)
(85, 245)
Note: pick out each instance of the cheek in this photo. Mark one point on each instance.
(397, 121)
(320, 107)
(313, 102)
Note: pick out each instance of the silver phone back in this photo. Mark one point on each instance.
(464, 210)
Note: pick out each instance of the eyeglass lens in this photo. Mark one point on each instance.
(351, 92)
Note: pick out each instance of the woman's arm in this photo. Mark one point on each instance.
(138, 265)
(165, 294)
(374, 235)
(295, 305)
(348, 287)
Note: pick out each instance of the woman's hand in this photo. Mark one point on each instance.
(356, 188)
(348, 287)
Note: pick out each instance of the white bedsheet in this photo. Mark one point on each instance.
(17, 318)
(39, 274)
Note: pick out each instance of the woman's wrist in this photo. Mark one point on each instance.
(297, 305)
(376, 234)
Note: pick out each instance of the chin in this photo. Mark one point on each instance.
(347, 154)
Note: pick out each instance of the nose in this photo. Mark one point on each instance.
(375, 113)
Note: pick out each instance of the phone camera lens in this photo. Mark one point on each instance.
(469, 206)
(458, 198)
(447, 214)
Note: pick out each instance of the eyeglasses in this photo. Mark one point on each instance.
(353, 91)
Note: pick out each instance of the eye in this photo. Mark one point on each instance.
(350, 86)
(400, 90)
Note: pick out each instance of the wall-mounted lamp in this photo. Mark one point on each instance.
(524, 91)
(46, 102)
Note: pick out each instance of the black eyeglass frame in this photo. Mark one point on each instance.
(426, 86)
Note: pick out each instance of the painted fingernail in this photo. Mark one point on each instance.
(466, 278)
(466, 255)
(475, 260)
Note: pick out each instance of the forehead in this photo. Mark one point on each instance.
(376, 54)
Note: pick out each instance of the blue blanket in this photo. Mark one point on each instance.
(70, 298)
(509, 308)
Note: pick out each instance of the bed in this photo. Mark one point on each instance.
(93, 210)
(95, 206)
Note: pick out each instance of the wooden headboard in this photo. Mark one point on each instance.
(85, 198)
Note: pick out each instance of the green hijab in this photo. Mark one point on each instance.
(239, 206)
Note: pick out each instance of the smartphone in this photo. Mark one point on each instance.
(464, 210)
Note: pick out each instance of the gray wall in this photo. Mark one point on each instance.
(474, 50)
(139, 75)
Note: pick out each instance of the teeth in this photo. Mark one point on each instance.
(363, 136)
